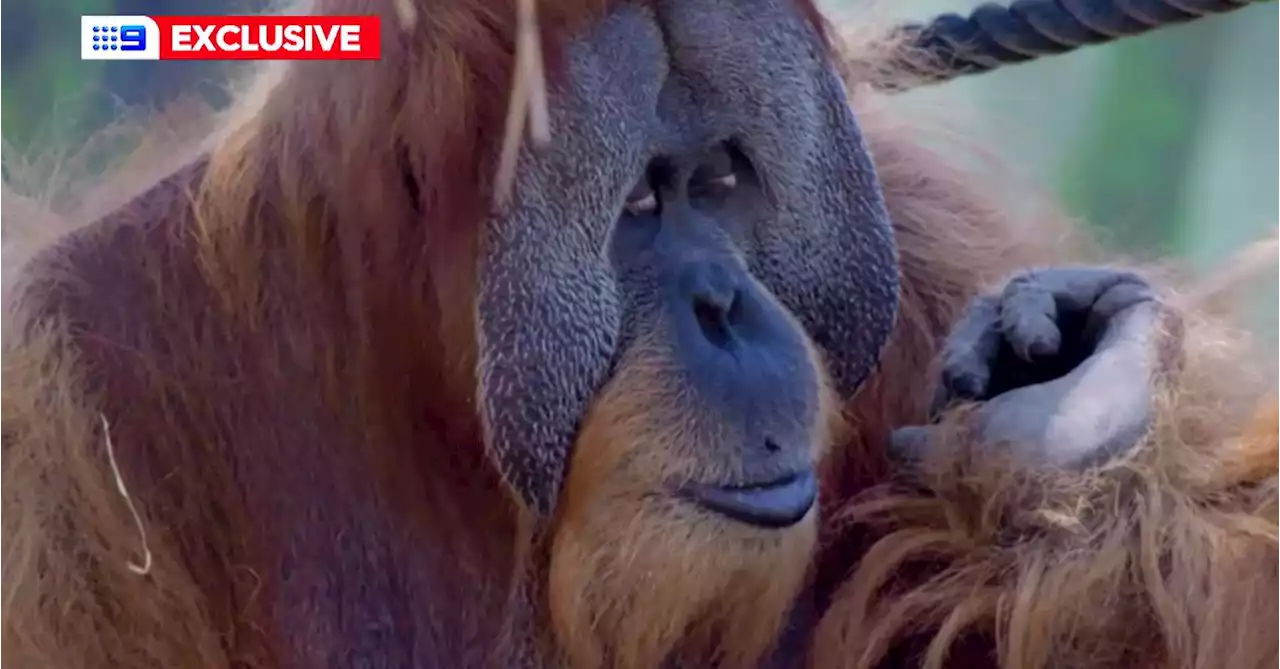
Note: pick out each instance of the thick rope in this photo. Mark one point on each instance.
(993, 35)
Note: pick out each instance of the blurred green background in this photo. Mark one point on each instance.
(1167, 143)
(1165, 137)
(1164, 142)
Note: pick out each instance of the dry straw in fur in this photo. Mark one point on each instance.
(139, 569)
(527, 106)
(528, 101)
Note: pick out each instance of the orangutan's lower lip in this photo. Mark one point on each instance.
(776, 504)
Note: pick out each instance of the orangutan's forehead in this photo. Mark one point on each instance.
(716, 26)
(673, 77)
(682, 57)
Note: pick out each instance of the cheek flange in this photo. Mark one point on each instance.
(548, 323)
(831, 256)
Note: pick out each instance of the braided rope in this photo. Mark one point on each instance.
(951, 45)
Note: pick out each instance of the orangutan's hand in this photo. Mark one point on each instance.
(1062, 365)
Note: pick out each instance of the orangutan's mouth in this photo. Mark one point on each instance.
(774, 504)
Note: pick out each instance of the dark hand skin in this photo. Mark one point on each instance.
(1061, 364)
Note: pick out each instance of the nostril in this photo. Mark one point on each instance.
(712, 319)
(714, 293)
(771, 446)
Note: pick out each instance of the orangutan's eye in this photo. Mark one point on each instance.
(716, 178)
(725, 182)
(642, 200)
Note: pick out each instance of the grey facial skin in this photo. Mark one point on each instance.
(805, 228)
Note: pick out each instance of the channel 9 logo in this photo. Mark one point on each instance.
(119, 38)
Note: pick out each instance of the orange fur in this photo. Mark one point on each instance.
(1165, 558)
(623, 552)
(629, 580)
(975, 557)
(367, 324)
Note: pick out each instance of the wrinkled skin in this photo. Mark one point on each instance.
(692, 284)
(672, 87)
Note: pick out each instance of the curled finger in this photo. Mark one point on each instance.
(1029, 318)
(970, 352)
